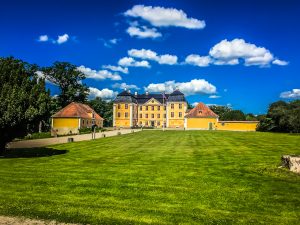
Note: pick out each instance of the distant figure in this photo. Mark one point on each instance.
(94, 131)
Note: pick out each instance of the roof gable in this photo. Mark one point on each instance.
(201, 111)
(152, 101)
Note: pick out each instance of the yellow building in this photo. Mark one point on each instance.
(149, 110)
(74, 117)
(202, 117)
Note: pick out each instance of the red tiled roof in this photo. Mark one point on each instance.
(77, 110)
(201, 111)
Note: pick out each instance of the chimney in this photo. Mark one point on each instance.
(147, 92)
(135, 93)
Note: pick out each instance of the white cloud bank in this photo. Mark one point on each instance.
(125, 86)
(195, 86)
(130, 62)
(99, 75)
(43, 38)
(62, 39)
(105, 93)
(295, 93)
(232, 52)
(164, 17)
(116, 68)
(151, 55)
(143, 32)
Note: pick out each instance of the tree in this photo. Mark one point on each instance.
(69, 80)
(23, 99)
(220, 110)
(104, 109)
(232, 115)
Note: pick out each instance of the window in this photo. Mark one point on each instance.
(152, 108)
(146, 115)
(180, 114)
(119, 114)
(172, 106)
(158, 123)
(141, 123)
(158, 107)
(152, 115)
(146, 123)
(126, 114)
(82, 122)
(180, 106)
(172, 114)
(141, 115)
(165, 108)
(158, 115)
(141, 108)
(126, 106)
(200, 111)
(119, 106)
(146, 107)
(165, 115)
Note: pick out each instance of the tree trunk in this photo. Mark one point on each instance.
(40, 127)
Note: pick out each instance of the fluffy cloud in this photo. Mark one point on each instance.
(125, 86)
(43, 38)
(62, 39)
(195, 86)
(130, 62)
(280, 62)
(105, 93)
(164, 17)
(151, 55)
(198, 60)
(214, 96)
(143, 32)
(295, 93)
(116, 68)
(229, 52)
(99, 75)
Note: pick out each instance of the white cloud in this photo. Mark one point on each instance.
(198, 60)
(151, 55)
(105, 93)
(99, 75)
(116, 68)
(143, 32)
(130, 62)
(214, 96)
(164, 17)
(62, 39)
(125, 86)
(280, 62)
(114, 41)
(229, 52)
(295, 93)
(40, 75)
(195, 104)
(195, 86)
(43, 38)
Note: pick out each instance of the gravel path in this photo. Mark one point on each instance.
(60, 140)
(5, 220)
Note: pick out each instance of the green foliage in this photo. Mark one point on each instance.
(88, 130)
(69, 80)
(38, 135)
(282, 117)
(227, 114)
(104, 109)
(156, 177)
(23, 99)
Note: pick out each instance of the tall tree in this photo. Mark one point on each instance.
(69, 80)
(23, 99)
(104, 109)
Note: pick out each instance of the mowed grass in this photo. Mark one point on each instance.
(156, 177)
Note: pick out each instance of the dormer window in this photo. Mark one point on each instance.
(200, 111)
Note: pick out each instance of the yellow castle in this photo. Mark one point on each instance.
(169, 111)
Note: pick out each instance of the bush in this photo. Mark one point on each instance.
(38, 135)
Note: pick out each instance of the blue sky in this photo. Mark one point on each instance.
(239, 53)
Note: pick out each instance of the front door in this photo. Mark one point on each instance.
(210, 126)
(152, 123)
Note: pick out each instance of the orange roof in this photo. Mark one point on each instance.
(77, 110)
(201, 111)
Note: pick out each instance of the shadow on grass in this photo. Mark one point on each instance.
(30, 152)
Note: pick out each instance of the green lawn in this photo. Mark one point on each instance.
(155, 177)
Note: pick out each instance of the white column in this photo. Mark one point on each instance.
(114, 115)
(131, 114)
(79, 123)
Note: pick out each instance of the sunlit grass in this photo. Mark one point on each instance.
(172, 177)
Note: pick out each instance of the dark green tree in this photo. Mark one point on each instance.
(221, 111)
(104, 109)
(23, 99)
(69, 80)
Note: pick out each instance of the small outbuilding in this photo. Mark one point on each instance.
(73, 117)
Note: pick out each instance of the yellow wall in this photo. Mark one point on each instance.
(151, 108)
(122, 121)
(201, 123)
(176, 120)
(237, 126)
(65, 122)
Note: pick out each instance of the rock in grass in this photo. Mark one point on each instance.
(292, 162)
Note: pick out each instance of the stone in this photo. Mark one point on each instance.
(292, 162)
